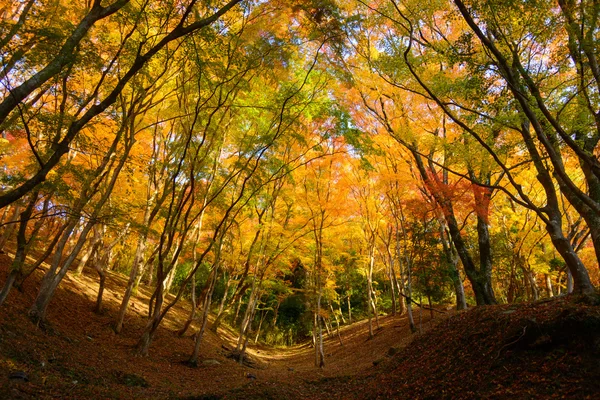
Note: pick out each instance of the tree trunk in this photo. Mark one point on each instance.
(581, 279)
(512, 286)
(222, 309)
(393, 292)
(262, 318)
(391, 273)
(190, 319)
(452, 261)
(135, 266)
(431, 316)
(408, 298)
(485, 254)
(92, 248)
(19, 282)
(549, 289)
(170, 276)
(530, 283)
(3, 218)
(10, 280)
(246, 325)
(369, 314)
(370, 290)
(479, 279)
(55, 274)
(224, 298)
(11, 227)
(320, 344)
(400, 291)
(247, 319)
(205, 311)
(570, 283)
(143, 345)
(16, 267)
(102, 276)
(337, 323)
(349, 310)
(459, 289)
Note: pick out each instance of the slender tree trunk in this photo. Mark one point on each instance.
(328, 328)
(532, 284)
(452, 261)
(262, 318)
(320, 343)
(431, 316)
(337, 327)
(223, 299)
(581, 279)
(92, 248)
(54, 276)
(570, 283)
(369, 314)
(8, 230)
(370, 290)
(100, 266)
(135, 266)
(398, 252)
(246, 325)
(512, 286)
(238, 308)
(341, 313)
(3, 218)
(420, 314)
(205, 311)
(549, 289)
(349, 310)
(190, 319)
(247, 319)
(16, 267)
(391, 272)
(149, 272)
(459, 289)
(10, 280)
(236, 300)
(19, 282)
(143, 345)
(170, 276)
(485, 255)
(409, 300)
(393, 290)
(320, 354)
(337, 323)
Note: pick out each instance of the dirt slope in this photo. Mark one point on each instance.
(544, 350)
(79, 355)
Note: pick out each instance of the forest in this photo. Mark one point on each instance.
(285, 171)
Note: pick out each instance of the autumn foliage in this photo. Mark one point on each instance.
(292, 167)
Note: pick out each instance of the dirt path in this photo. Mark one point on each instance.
(80, 356)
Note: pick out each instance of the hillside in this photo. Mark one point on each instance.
(529, 351)
(548, 349)
(79, 355)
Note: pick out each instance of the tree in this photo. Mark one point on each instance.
(93, 105)
(456, 51)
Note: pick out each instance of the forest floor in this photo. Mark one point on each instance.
(539, 350)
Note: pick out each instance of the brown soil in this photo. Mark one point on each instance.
(543, 350)
(548, 349)
(78, 355)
